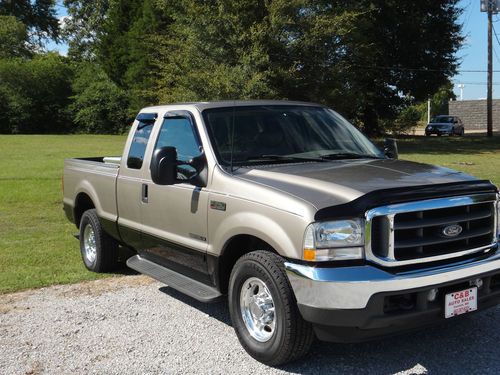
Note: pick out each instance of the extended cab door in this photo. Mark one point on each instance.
(129, 185)
(174, 217)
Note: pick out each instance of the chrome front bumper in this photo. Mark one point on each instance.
(352, 287)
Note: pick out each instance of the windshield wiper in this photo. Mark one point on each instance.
(283, 157)
(348, 155)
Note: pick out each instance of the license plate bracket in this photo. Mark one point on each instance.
(460, 302)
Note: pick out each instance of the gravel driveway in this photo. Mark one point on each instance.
(133, 325)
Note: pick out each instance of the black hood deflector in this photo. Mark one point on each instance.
(383, 197)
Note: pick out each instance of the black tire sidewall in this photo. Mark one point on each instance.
(262, 351)
(90, 218)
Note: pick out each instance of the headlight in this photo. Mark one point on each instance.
(334, 240)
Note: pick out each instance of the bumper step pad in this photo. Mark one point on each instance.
(190, 287)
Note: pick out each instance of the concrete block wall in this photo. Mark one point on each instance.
(473, 113)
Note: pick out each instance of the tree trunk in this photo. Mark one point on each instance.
(371, 124)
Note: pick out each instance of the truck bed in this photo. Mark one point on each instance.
(94, 177)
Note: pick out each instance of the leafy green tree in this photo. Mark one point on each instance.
(439, 103)
(34, 94)
(83, 28)
(127, 48)
(368, 59)
(406, 120)
(99, 105)
(39, 17)
(13, 38)
(222, 55)
(400, 50)
(440, 100)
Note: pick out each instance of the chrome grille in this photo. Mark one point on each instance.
(430, 230)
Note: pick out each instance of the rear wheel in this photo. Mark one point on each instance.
(99, 250)
(264, 311)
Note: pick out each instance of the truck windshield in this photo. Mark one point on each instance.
(284, 133)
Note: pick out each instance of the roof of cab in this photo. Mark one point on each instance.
(229, 103)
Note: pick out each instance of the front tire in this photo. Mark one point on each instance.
(99, 250)
(264, 311)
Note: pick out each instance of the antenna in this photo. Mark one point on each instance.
(232, 134)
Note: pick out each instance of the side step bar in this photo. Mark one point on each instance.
(175, 280)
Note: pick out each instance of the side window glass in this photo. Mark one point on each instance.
(178, 132)
(138, 146)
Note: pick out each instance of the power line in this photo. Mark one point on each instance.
(477, 83)
(495, 52)
(470, 11)
(496, 35)
(405, 69)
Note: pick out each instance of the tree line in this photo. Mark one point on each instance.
(374, 61)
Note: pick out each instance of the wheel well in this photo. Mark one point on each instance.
(82, 203)
(234, 249)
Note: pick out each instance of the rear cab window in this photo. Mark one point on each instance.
(140, 140)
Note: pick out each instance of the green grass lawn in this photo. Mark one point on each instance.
(37, 246)
(36, 243)
(476, 155)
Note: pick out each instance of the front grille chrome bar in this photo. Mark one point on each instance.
(390, 211)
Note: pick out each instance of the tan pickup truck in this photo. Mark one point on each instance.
(309, 229)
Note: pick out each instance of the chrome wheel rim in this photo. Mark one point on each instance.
(257, 309)
(89, 245)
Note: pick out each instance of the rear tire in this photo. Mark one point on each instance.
(264, 311)
(99, 250)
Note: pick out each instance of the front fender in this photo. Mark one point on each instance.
(287, 242)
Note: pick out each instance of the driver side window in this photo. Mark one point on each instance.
(178, 132)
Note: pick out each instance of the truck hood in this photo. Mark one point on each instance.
(337, 182)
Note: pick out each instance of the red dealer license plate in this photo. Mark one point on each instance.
(460, 302)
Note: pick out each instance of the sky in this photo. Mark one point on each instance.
(472, 55)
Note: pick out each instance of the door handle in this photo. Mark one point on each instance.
(144, 194)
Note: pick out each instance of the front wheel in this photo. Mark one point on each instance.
(264, 311)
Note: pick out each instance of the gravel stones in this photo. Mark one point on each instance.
(134, 325)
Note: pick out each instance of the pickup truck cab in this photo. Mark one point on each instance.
(286, 208)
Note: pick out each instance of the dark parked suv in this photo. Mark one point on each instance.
(449, 125)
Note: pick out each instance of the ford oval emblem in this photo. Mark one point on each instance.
(452, 230)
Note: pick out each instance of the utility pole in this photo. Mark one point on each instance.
(461, 87)
(428, 110)
(490, 6)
